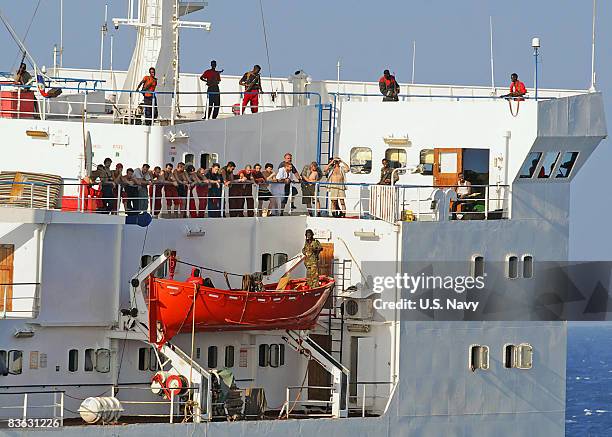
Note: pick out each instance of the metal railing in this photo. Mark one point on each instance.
(240, 199)
(289, 405)
(24, 410)
(369, 394)
(105, 104)
(17, 306)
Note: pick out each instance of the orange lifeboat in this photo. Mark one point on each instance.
(173, 309)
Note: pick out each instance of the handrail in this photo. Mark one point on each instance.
(435, 96)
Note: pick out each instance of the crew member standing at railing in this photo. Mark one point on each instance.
(149, 84)
(212, 77)
(156, 190)
(143, 178)
(201, 191)
(183, 183)
(107, 185)
(385, 174)
(170, 191)
(215, 188)
(245, 177)
(130, 188)
(22, 77)
(251, 80)
(234, 190)
(389, 87)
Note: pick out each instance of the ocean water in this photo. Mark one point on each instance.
(589, 381)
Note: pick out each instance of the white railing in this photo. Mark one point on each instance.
(22, 416)
(19, 307)
(361, 397)
(290, 405)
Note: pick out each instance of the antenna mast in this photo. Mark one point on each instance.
(592, 88)
(413, 58)
(491, 46)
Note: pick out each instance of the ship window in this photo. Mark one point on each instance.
(212, 357)
(274, 355)
(3, 363)
(396, 157)
(264, 351)
(530, 164)
(361, 160)
(512, 271)
(89, 360)
(103, 360)
(198, 353)
(15, 362)
(208, 159)
(145, 260)
(266, 263)
(280, 259)
(527, 266)
(143, 358)
(281, 358)
(477, 266)
(479, 357)
(518, 356)
(73, 360)
(153, 361)
(548, 164)
(162, 270)
(188, 159)
(567, 163)
(426, 162)
(229, 356)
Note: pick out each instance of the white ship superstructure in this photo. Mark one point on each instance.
(68, 331)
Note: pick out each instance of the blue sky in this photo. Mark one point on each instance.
(452, 48)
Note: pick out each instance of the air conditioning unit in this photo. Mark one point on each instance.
(358, 308)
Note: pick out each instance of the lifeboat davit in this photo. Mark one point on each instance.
(170, 302)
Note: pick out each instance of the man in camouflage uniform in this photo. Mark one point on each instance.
(312, 249)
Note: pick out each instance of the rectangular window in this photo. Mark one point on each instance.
(548, 164)
(512, 271)
(212, 357)
(477, 266)
(426, 162)
(103, 360)
(3, 363)
(397, 157)
(143, 358)
(153, 361)
(73, 360)
(361, 160)
(89, 360)
(280, 259)
(524, 358)
(198, 353)
(527, 266)
(188, 159)
(266, 263)
(509, 354)
(567, 163)
(229, 356)
(15, 362)
(479, 357)
(264, 355)
(145, 260)
(274, 355)
(530, 165)
(208, 159)
(162, 271)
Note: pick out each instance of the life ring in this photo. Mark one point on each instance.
(176, 385)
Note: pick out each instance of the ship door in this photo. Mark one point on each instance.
(317, 375)
(326, 266)
(6, 276)
(448, 163)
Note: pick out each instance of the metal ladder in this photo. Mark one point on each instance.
(325, 134)
(335, 322)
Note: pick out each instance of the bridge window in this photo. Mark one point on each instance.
(15, 362)
(73, 360)
(397, 157)
(426, 162)
(530, 165)
(229, 356)
(479, 357)
(567, 163)
(361, 160)
(548, 164)
(212, 357)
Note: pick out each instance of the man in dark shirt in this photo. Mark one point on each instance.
(389, 87)
(385, 174)
(212, 77)
(215, 179)
(251, 80)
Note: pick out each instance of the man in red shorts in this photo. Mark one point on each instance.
(251, 81)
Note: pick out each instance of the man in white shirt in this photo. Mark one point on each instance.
(143, 178)
(463, 190)
(286, 176)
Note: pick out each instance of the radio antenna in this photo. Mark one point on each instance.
(592, 88)
(491, 47)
